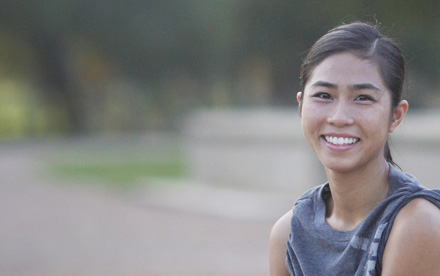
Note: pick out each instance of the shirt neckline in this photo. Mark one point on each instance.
(328, 232)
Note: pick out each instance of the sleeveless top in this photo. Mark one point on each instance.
(314, 248)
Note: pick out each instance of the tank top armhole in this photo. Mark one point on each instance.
(432, 196)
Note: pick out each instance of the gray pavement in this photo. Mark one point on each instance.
(52, 226)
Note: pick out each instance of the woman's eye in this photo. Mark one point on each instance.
(364, 98)
(322, 95)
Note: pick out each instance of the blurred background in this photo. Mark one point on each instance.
(163, 138)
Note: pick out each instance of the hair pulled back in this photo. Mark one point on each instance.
(365, 41)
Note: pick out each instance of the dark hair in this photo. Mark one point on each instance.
(365, 41)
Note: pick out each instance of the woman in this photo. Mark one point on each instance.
(370, 218)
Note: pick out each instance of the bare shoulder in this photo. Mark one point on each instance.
(282, 226)
(278, 240)
(413, 247)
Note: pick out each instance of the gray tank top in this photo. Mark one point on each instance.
(315, 249)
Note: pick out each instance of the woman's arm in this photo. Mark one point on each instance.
(413, 247)
(278, 240)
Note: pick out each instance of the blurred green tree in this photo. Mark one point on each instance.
(199, 52)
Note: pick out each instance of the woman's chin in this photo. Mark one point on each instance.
(338, 166)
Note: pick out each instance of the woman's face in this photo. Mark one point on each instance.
(346, 112)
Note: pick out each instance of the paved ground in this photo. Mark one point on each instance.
(53, 228)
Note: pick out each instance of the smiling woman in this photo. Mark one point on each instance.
(346, 98)
(369, 218)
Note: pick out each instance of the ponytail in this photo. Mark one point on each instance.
(387, 155)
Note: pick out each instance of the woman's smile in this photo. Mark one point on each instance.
(340, 142)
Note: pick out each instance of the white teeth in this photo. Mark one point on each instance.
(340, 140)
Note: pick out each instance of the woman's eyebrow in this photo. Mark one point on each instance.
(353, 87)
(325, 84)
(362, 86)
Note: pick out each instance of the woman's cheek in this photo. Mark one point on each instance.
(313, 113)
(310, 122)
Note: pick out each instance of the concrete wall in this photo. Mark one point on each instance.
(265, 149)
(416, 147)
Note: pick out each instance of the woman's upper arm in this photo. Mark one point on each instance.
(278, 242)
(413, 246)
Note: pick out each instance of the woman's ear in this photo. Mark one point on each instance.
(299, 97)
(398, 115)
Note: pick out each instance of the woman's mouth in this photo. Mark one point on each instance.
(341, 141)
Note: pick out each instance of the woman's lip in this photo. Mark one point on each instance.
(340, 135)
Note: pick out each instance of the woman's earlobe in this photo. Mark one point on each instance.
(398, 115)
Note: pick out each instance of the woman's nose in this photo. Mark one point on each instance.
(340, 115)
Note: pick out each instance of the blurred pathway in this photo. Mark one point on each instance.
(52, 228)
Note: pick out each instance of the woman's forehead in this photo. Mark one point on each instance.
(346, 69)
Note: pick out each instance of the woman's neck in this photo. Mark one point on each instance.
(355, 194)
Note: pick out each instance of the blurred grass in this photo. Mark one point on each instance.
(121, 174)
(117, 162)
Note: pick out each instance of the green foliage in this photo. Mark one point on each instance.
(184, 54)
(23, 114)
